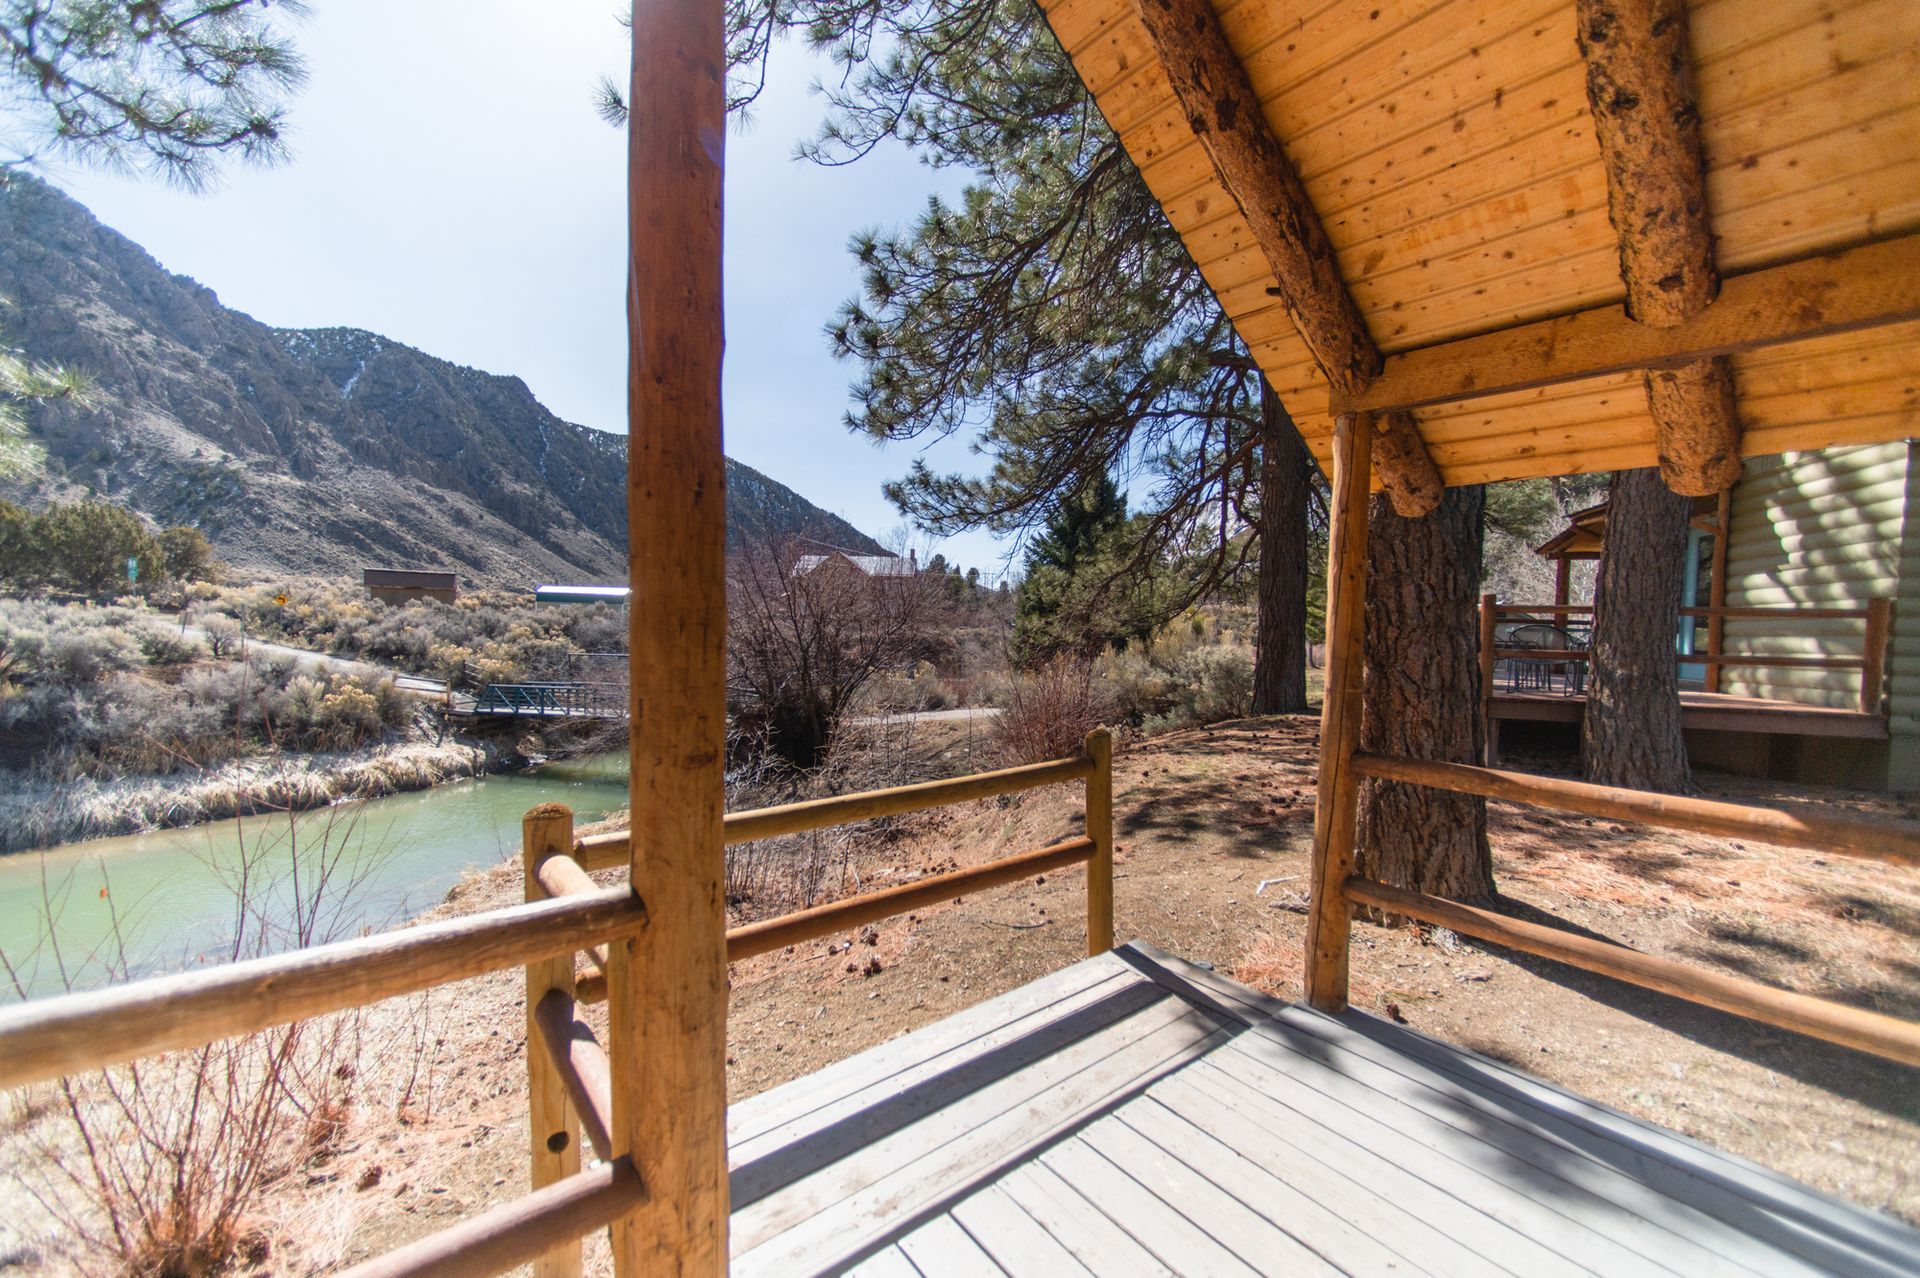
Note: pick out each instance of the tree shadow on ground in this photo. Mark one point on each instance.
(1883, 1085)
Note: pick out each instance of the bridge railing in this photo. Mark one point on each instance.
(570, 1075)
(557, 699)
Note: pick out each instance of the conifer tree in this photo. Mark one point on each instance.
(163, 87)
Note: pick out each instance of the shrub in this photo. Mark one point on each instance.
(1049, 711)
(165, 646)
(224, 634)
(85, 656)
(347, 716)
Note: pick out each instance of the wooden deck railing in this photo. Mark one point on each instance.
(1876, 631)
(566, 914)
(1823, 830)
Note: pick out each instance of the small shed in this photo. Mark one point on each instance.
(404, 585)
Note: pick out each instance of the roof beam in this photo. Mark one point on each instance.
(1226, 119)
(1867, 287)
(1646, 115)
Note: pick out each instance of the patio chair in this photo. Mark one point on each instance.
(1539, 673)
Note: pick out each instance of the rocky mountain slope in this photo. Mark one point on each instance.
(315, 451)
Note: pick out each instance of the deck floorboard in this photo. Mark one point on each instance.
(1135, 1114)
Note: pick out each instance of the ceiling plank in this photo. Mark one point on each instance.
(1646, 112)
(1226, 118)
(1867, 287)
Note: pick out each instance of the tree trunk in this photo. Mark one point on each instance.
(1422, 697)
(1631, 734)
(1280, 630)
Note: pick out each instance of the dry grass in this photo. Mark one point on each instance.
(37, 813)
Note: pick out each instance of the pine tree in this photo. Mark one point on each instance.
(1050, 313)
(165, 87)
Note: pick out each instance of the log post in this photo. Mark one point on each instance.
(553, 1126)
(1562, 589)
(1646, 115)
(1226, 119)
(1336, 808)
(1717, 588)
(1489, 626)
(1873, 668)
(667, 986)
(1100, 830)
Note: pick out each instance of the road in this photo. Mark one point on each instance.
(960, 715)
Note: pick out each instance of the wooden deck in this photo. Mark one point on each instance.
(1134, 1114)
(1708, 711)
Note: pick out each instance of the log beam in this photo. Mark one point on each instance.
(1646, 115)
(1873, 286)
(1225, 116)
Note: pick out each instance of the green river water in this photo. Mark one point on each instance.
(172, 898)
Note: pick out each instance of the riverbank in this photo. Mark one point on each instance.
(37, 813)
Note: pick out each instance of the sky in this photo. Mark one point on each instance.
(452, 188)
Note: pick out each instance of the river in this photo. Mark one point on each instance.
(167, 900)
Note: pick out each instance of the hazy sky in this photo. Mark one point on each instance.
(452, 188)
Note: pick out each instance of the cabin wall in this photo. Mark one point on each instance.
(1831, 528)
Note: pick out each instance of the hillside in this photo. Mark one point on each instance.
(317, 450)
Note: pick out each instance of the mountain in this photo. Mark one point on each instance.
(316, 451)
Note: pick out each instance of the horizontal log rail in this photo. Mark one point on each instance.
(1818, 830)
(838, 916)
(1819, 1018)
(582, 1065)
(517, 1232)
(1876, 631)
(560, 876)
(607, 851)
(767, 935)
(1729, 613)
(1755, 659)
(46, 1038)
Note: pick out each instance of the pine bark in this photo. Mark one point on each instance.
(1631, 733)
(1280, 628)
(1422, 697)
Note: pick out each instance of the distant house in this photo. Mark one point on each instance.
(404, 585)
(1829, 544)
(871, 567)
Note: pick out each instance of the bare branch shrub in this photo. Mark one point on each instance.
(807, 633)
(160, 1167)
(1049, 710)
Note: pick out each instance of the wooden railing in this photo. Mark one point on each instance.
(569, 1071)
(1876, 631)
(1823, 830)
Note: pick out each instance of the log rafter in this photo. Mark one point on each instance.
(1646, 113)
(1225, 116)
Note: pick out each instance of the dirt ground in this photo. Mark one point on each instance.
(1212, 834)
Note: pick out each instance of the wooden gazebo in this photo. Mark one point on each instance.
(1467, 240)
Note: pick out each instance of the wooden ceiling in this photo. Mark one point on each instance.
(1449, 151)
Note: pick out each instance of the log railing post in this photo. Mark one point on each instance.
(1336, 811)
(1489, 624)
(667, 986)
(1100, 830)
(1873, 663)
(553, 1127)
